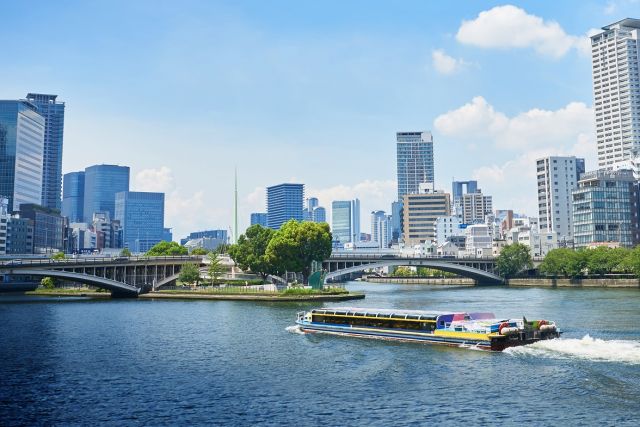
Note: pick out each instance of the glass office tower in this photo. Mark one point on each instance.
(284, 202)
(141, 216)
(21, 153)
(101, 183)
(414, 156)
(53, 114)
(73, 196)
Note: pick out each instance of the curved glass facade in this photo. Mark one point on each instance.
(101, 183)
(21, 153)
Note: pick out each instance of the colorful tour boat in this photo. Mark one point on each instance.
(480, 330)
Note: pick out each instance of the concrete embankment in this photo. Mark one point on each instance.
(576, 283)
(458, 281)
(249, 297)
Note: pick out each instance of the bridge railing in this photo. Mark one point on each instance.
(407, 256)
(96, 260)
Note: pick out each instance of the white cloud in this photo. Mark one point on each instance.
(184, 212)
(509, 26)
(534, 128)
(530, 135)
(445, 64)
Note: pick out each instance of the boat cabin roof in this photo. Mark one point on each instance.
(400, 314)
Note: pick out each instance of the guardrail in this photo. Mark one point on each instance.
(94, 260)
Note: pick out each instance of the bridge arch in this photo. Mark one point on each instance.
(116, 288)
(463, 270)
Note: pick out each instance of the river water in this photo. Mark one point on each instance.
(120, 362)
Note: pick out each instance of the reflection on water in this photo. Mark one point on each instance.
(239, 363)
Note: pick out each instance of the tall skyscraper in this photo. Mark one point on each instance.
(284, 202)
(53, 113)
(73, 196)
(259, 218)
(414, 156)
(101, 183)
(557, 178)
(21, 153)
(141, 216)
(615, 56)
(345, 220)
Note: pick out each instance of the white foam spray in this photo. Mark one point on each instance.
(587, 348)
(294, 329)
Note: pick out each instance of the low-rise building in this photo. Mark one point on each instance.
(420, 212)
(478, 241)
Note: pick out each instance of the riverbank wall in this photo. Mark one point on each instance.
(458, 281)
(575, 283)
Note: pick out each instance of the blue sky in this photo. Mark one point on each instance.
(311, 92)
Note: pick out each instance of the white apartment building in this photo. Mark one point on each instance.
(475, 206)
(557, 178)
(616, 91)
(381, 229)
(447, 226)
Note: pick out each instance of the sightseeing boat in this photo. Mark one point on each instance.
(480, 330)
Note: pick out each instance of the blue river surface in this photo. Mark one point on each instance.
(75, 361)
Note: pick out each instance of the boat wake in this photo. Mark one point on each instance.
(587, 348)
(294, 329)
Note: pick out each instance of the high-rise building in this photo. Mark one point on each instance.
(141, 216)
(319, 214)
(475, 206)
(313, 212)
(605, 209)
(73, 196)
(414, 157)
(21, 153)
(53, 113)
(167, 234)
(557, 178)
(48, 227)
(345, 220)
(284, 202)
(101, 183)
(615, 56)
(458, 189)
(381, 229)
(259, 218)
(420, 212)
(19, 236)
(396, 221)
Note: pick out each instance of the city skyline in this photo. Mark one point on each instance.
(500, 103)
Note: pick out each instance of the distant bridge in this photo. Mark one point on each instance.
(123, 276)
(482, 270)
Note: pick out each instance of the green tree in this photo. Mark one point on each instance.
(189, 274)
(166, 249)
(297, 244)
(250, 251)
(513, 259)
(199, 251)
(603, 260)
(404, 272)
(125, 252)
(631, 261)
(48, 283)
(564, 262)
(215, 267)
(58, 256)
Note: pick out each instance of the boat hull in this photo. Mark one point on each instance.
(497, 343)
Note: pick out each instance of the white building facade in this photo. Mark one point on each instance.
(557, 178)
(616, 90)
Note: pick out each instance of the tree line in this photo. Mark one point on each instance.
(599, 261)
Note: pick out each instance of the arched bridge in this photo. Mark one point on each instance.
(123, 276)
(482, 270)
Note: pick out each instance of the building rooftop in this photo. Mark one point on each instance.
(627, 22)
